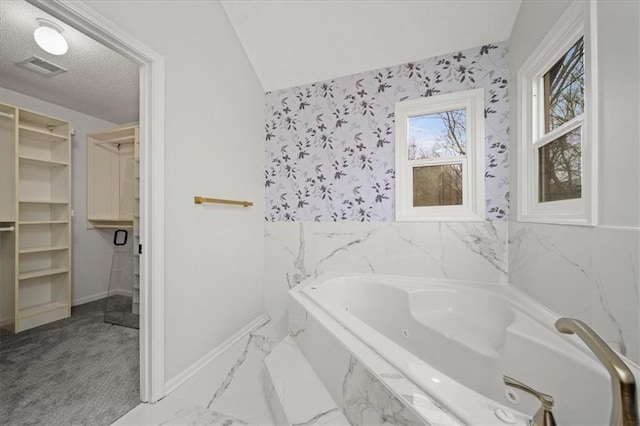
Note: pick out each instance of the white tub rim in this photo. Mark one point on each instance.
(541, 315)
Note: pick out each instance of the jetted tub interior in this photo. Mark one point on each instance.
(473, 333)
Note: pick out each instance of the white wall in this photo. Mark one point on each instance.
(619, 87)
(589, 272)
(92, 250)
(214, 147)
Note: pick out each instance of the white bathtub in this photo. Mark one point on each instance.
(455, 340)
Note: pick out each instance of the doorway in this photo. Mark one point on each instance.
(151, 83)
(151, 63)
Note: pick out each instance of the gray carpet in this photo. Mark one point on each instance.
(118, 312)
(77, 371)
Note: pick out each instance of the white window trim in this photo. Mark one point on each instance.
(473, 193)
(577, 21)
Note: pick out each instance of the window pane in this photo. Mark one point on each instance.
(437, 185)
(439, 135)
(561, 168)
(564, 88)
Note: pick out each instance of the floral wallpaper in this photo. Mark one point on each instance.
(330, 145)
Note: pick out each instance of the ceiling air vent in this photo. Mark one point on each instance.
(41, 66)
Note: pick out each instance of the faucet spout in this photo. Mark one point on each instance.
(625, 410)
(544, 416)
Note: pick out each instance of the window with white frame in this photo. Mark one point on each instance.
(556, 156)
(440, 157)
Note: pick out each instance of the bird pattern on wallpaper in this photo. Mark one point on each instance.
(330, 145)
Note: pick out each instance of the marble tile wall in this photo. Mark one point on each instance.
(234, 389)
(233, 382)
(582, 272)
(227, 391)
(457, 250)
(588, 273)
(298, 394)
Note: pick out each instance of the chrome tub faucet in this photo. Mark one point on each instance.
(544, 416)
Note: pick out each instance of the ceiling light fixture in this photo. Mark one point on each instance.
(49, 37)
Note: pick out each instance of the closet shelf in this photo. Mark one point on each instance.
(43, 222)
(40, 134)
(40, 121)
(117, 141)
(41, 249)
(42, 202)
(40, 309)
(110, 134)
(39, 162)
(106, 223)
(112, 220)
(101, 226)
(42, 273)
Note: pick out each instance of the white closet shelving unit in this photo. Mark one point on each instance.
(111, 177)
(113, 187)
(35, 218)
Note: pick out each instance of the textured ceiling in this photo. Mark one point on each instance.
(288, 42)
(296, 42)
(99, 82)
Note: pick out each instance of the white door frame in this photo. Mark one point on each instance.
(88, 21)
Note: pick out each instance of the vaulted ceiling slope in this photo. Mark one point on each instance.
(98, 81)
(296, 42)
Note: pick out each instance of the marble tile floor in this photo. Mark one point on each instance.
(172, 410)
(238, 387)
(227, 391)
(79, 370)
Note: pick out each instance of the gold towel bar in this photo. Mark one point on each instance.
(200, 200)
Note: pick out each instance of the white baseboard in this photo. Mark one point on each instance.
(94, 297)
(210, 356)
(87, 299)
